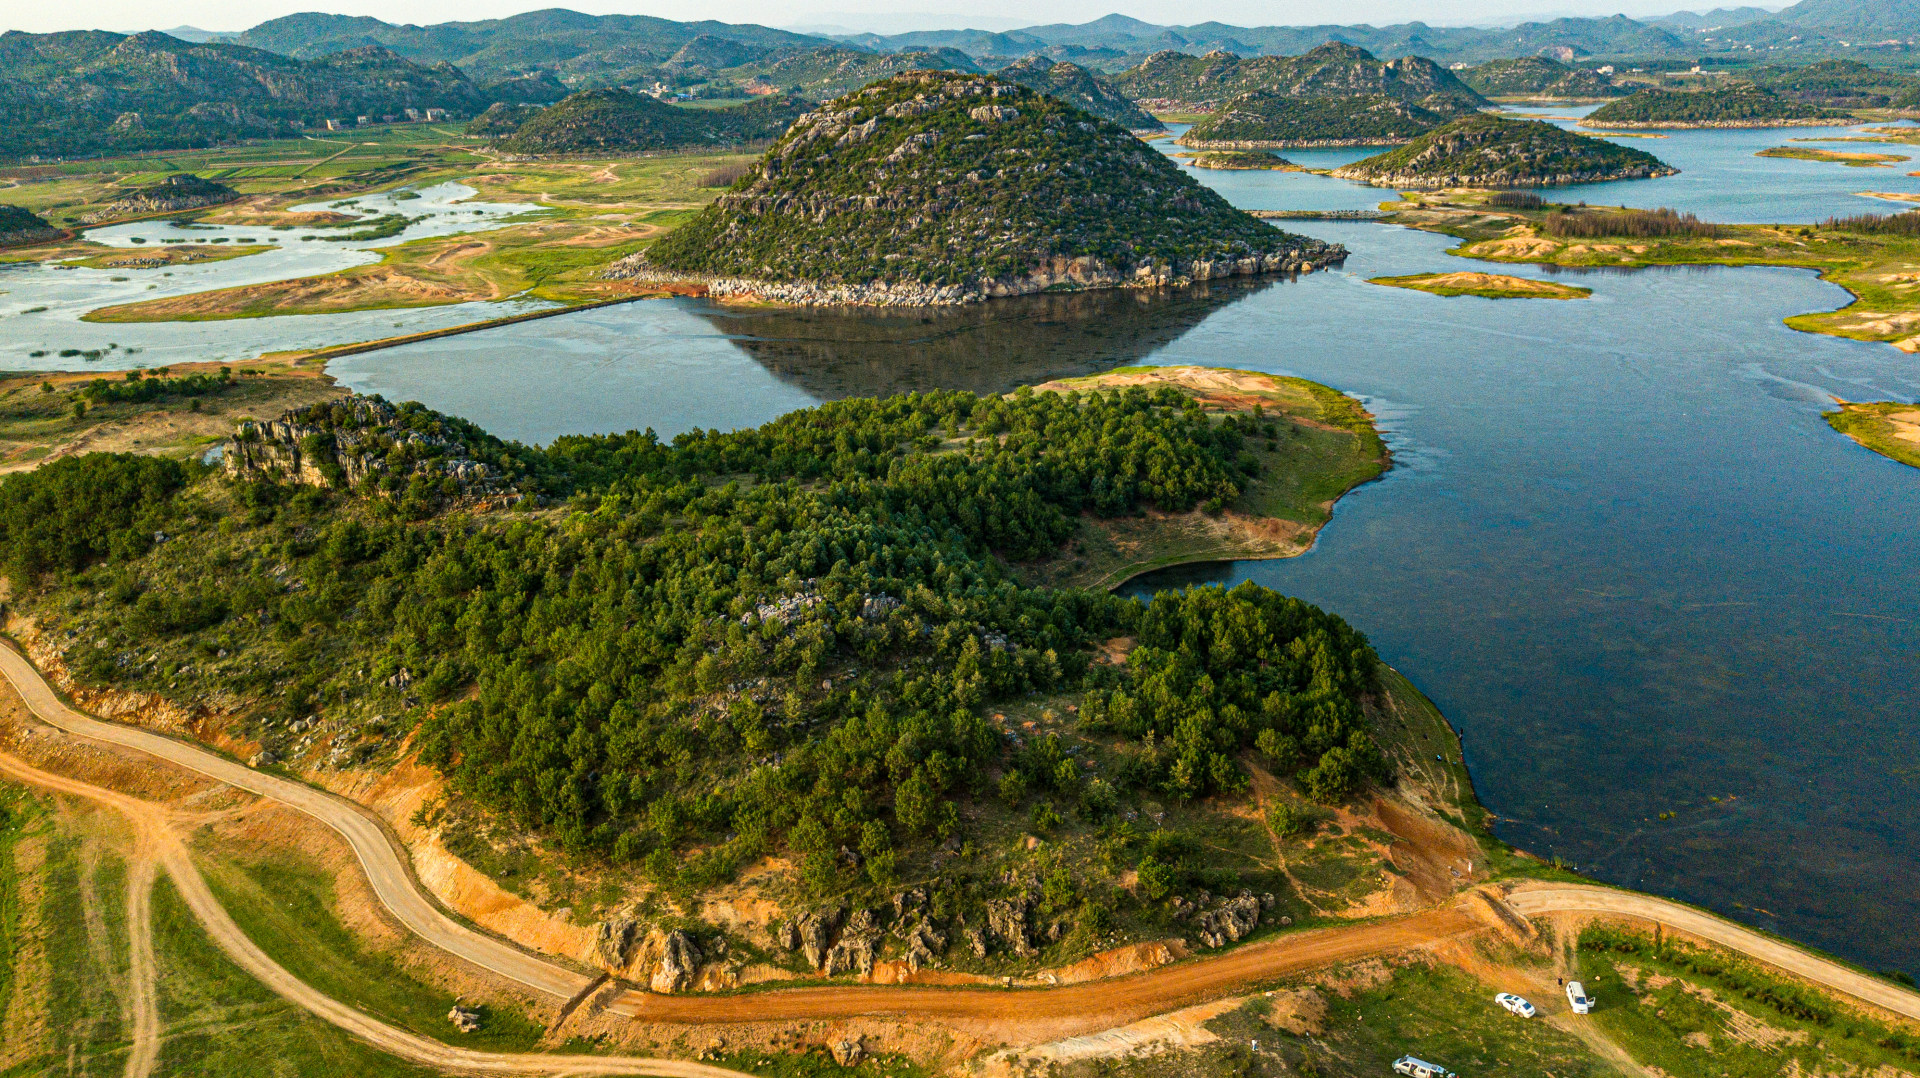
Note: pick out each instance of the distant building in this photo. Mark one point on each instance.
(363, 120)
(436, 115)
(335, 125)
(413, 114)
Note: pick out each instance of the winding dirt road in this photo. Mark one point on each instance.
(154, 835)
(1821, 971)
(380, 856)
(1088, 1006)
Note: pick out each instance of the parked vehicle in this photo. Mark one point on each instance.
(1514, 1004)
(1577, 998)
(1420, 1068)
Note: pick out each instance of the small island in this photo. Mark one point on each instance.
(181, 191)
(1889, 428)
(933, 187)
(1270, 119)
(619, 121)
(1736, 107)
(1484, 285)
(1242, 159)
(1489, 151)
(1852, 159)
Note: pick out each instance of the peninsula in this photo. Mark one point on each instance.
(1538, 78)
(1489, 151)
(1735, 107)
(937, 188)
(1889, 428)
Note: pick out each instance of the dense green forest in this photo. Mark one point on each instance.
(688, 655)
(950, 180)
(1080, 88)
(1741, 105)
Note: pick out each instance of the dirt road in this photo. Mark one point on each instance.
(380, 856)
(1561, 898)
(151, 825)
(143, 973)
(1088, 1006)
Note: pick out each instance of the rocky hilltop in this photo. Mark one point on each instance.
(184, 191)
(1266, 119)
(938, 188)
(1737, 107)
(366, 443)
(1332, 70)
(18, 226)
(821, 73)
(1080, 88)
(1488, 151)
(620, 121)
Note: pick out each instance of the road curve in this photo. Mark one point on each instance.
(150, 823)
(380, 858)
(1821, 971)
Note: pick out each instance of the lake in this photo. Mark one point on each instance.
(1619, 548)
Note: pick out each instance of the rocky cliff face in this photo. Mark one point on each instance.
(321, 447)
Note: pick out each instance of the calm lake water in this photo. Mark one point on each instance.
(1619, 548)
(41, 304)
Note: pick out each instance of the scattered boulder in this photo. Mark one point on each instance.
(679, 963)
(262, 758)
(1007, 922)
(612, 943)
(464, 1019)
(849, 1051)
(811, 934)
(855, 948)
(1230, 921)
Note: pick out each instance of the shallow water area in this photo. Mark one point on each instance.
(67, 292)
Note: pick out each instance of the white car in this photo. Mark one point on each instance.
(1420, 1068)
(1514, 1004)
(1578, 999)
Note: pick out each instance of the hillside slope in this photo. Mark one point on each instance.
(1488, 151)
(71, 94)
(935, 188)
(1738, 107)
(1331, 70)
(18, 226)
(1080, 88)
(619, 121)
(1268, 120)
(1538, 76)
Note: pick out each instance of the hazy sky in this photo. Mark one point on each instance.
(124, 15)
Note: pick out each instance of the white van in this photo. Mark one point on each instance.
(1420, 1068)
(1578, 999)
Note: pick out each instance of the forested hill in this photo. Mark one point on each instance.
(1330, 70)
(1268, 120)
(619, 121)
(1489, 151)
(1080, 88)
(1737, 107)
(821, 73)
(85, 92)
(790, 641)
(568, 42)
(1538, 76)
(18, 225)
(952, 187)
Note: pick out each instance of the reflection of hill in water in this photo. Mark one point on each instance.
(987, 348)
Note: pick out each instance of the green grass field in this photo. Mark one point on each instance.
(287, 907)
(1889, 428)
